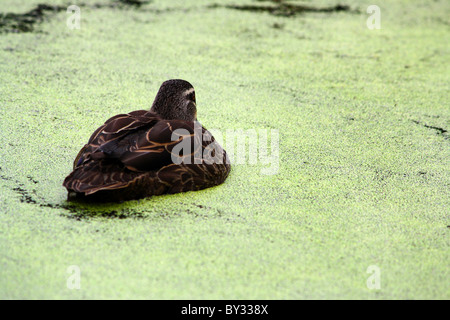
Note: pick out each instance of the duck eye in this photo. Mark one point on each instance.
(192, 97)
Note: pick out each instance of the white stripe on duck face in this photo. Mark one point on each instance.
(188, 92)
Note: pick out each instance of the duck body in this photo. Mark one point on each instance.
(141, 154)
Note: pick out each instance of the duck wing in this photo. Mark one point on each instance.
(114, 129)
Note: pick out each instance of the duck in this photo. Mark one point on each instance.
(145, 153)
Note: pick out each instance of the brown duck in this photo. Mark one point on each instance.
(145, 153)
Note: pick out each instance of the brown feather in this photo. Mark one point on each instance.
(130, 157)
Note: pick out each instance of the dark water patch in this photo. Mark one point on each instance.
(80, 210)
(131, 3)
(25, 195)
(74, 211)
(31, 179)
(26, 22)
(5, 178)
(278, 25)
(280, 8)
(31, 197)
(83, 214)
(439, 131)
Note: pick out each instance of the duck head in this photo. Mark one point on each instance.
(176, 100)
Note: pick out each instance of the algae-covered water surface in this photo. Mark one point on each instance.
(349, 200)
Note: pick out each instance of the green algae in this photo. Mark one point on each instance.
(363, 118)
